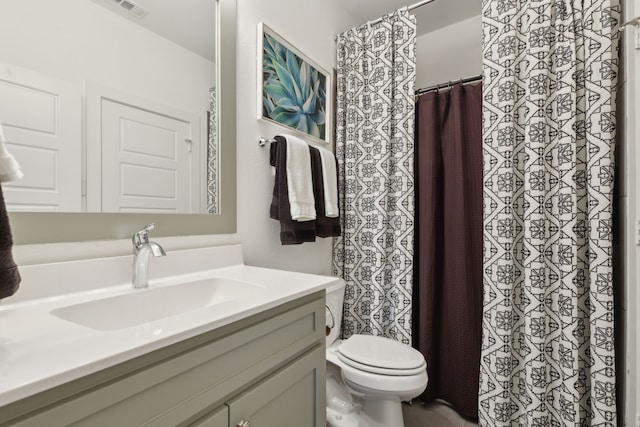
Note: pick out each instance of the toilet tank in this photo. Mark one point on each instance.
(335, 301)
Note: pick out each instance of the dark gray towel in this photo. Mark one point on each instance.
(9, 274)
(325, 227)
(291, 232)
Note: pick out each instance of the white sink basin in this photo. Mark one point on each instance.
(146, 305)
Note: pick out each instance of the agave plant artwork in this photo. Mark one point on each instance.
(294, 92)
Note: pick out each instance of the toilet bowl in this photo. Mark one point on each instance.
(368, 377)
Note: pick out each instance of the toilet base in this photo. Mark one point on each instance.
(382, 412)
(339, 419)
(374, 413)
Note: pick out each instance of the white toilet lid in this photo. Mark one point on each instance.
(381, 354)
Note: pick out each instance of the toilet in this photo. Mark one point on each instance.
(368, 377)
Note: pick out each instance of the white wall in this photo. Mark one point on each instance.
(78, 40)
(308, 25)
(450, 53)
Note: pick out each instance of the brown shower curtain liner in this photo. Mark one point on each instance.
(448, 283)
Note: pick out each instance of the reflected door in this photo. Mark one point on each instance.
(147, 161)
(41, 120)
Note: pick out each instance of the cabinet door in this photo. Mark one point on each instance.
(292, 397)
(218, 418)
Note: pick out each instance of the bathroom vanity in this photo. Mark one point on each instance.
(255, 359)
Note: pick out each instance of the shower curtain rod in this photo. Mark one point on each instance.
(410, 7)
(449, 84)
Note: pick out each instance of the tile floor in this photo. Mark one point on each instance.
(434, 414)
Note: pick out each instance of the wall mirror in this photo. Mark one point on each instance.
(118, 124)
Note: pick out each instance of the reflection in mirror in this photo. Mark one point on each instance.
(39, 227)
(109, 105)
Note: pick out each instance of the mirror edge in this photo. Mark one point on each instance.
(38, 228)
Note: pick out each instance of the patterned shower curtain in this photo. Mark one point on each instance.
(374, 147)
(213, 193)
(550, 71)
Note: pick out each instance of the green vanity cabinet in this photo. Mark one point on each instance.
(267, 370)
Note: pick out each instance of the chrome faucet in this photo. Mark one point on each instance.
(142, 249)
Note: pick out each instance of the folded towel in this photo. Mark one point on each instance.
(299, 182)
(330, 179)
(9, 274)
(291, 232)
(9, 167)
(325, 226)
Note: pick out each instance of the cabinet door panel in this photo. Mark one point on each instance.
(219, 418)
(292, 397)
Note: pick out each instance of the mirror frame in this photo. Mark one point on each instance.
(38, 227)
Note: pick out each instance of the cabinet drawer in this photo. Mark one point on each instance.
(201, 374)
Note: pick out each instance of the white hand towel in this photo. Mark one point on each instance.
(330, 179)
(9, 168)
(299, 180)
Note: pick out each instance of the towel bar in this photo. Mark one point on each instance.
(264, 141)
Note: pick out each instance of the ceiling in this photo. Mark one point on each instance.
(430, 17)
(188, 23)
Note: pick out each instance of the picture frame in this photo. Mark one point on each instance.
(293, 91)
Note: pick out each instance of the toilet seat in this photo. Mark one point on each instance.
(376, 384)
(379, 355)
(381, 371)
(405, 373)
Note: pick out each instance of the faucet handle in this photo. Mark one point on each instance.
(142, 237)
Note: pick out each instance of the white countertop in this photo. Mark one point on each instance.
(39, 351)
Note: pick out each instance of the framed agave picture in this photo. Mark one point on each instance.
(292, 89)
